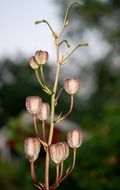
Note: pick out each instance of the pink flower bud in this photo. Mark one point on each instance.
(44, 112)
(74, 138)
(33, 63)
(41, 57)
(72, 85)
(33, 104)
(59, 152)
(32, 148)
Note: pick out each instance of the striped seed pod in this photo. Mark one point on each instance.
(33, 63)
(74, 138)
(44, 112)
(59, 152)
(41, 57)
(71, 85)
(32, 148)
(33, 104)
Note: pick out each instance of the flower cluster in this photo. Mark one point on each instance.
(42, 111)
(39, 59)
(35, 106)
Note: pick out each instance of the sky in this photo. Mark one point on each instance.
(18, 33)
(20, 36)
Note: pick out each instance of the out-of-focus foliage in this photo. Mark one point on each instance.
(17, 81)
(97, 166)
(98, 161)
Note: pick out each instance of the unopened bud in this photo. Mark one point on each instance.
(59, 152)
(74, 138)
(33, 63)
(33, 104)
(72, 85)
(41, 57)
(44, 112)
(32, 148)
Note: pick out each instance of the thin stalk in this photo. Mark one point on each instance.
(54, 94)
(69, 55)
(39, 187)
(66, 42)
(69, 170)
(57, 171)
(66, 15)
(38, 78)
(70, 110)
(47, 169)
(34, 177)
(46, 22)
(52, 115)
(61, 170)
(44, 81)
(59, 93)
(44, 86)
(43, 131)
(37, 133)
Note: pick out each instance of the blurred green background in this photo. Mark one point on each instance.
(96, 111)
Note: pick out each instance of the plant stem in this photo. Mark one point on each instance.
(61, 170)
(52, 114)
(37, 133)
(46, 22)
(35, 179)
(69, 170)
(47, 170)
(69, 55)
(57, 172)
(54, 94)
(43, 130)
(70, 110)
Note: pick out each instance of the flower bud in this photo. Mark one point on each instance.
(44, 112)
(33, 104)
(72, 85)
(33, 63)
(74, 138)
(32, 148)
(41, 57)
(59, 152)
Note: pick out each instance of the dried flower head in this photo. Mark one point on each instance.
(44, 112)
(32, 148)
(33, 63)
(59, 152)
(72, 85)
(74, 138)
(33, 104)
(41, 57)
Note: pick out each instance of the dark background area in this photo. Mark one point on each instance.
(98, 114)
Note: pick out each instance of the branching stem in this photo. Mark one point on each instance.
(66, 42)
(37, 133)
(34, 177)
(70, 110)
(69, 55)
(46, 22)
(69, 170)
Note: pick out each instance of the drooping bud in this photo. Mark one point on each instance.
(33, 104)
(33, 63)
(41, 57)
(32, 148)
(44, 112)
(74, 138)
(59, 152)
(72, 85)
